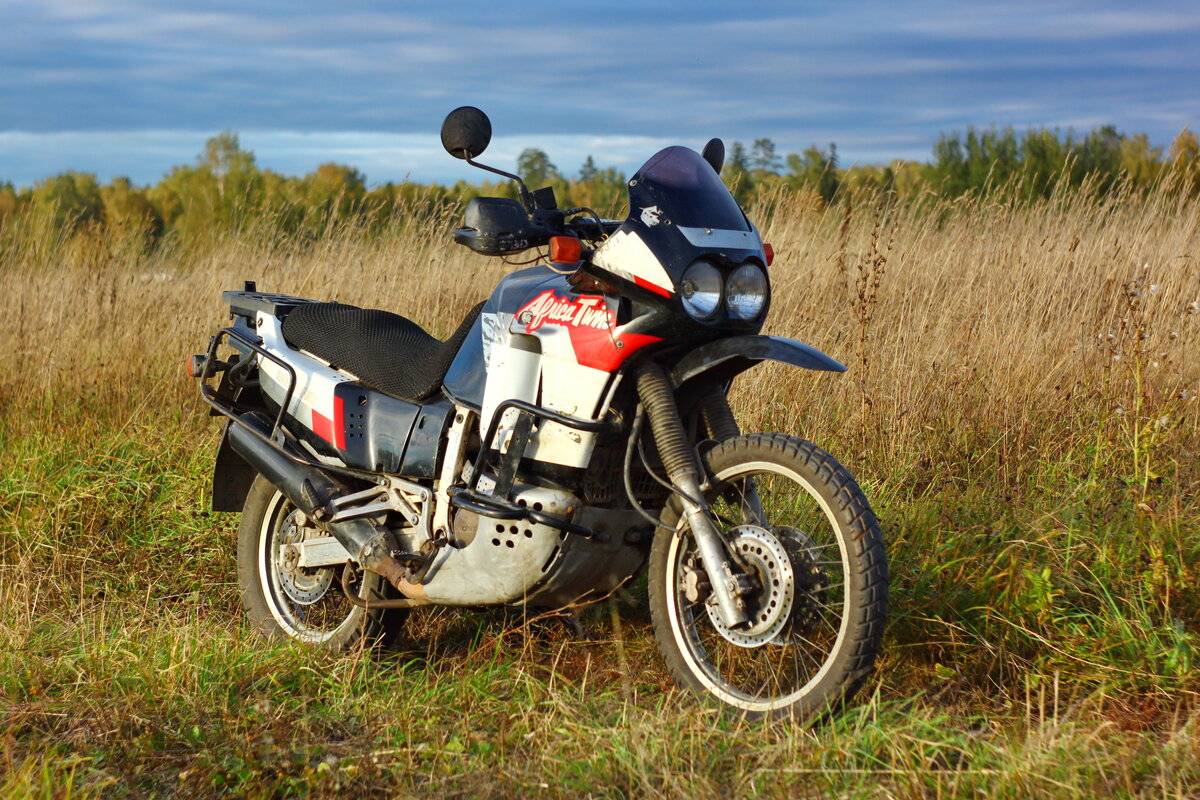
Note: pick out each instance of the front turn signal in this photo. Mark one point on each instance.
(565, 250)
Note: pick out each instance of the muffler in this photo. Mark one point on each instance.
(311, 491)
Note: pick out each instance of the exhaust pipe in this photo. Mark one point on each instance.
(311, 491)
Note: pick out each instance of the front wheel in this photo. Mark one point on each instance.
(796, 523)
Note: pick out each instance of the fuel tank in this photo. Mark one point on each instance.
(540, 341)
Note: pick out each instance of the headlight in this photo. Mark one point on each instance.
(746, 292)
(700, 290)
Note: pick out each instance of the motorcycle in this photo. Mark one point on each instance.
(573, 432)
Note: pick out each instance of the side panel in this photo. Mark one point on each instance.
(467, 375)
(356, 425)
(314, 402)
(542, 342)
(377, 427)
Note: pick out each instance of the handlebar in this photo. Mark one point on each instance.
(497, 226)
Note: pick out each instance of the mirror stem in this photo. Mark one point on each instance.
(526, 196)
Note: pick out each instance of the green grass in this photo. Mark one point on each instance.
(1044, 651)
(1021, 410)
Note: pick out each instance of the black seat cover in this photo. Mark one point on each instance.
(386, 351)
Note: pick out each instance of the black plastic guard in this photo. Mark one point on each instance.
(232, 477)
(737, 354)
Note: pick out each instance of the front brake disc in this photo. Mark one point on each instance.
(772, 603)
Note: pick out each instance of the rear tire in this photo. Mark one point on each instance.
(695, 649)
(331, 623)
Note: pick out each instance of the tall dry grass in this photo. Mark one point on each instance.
(1020, 407)
(1004, 331)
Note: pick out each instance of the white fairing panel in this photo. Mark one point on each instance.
(552, 378)
(312, 401)
(625, 254)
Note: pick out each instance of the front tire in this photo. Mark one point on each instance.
(787, 507)
(309, 607)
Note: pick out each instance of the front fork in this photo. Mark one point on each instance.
(728, 585)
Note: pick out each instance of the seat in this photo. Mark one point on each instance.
(386, 351)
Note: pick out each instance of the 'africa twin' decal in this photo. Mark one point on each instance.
(597, 341)
(587, 310)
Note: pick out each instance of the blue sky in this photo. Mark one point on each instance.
(123, 87)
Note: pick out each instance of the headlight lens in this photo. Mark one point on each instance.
(746, 292)
(700, 290)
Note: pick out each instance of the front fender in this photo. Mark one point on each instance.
(726, 358)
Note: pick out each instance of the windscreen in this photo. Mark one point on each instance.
(678, 186)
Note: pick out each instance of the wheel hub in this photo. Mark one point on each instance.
(303, 585)
(767, 561)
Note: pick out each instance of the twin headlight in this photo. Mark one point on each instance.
(745, 292)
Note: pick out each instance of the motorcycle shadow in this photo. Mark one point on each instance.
(435, 637)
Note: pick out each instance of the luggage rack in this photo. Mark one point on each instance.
(227, 409)
(496, 504)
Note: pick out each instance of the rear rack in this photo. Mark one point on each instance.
(249, 302)
(227, 409)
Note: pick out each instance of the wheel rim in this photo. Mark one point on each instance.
(776, 675)
(307, 605)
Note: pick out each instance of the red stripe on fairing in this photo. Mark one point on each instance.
(339, 423)
(331, 430)
(598, 348)
(322, 426)
(654, 287)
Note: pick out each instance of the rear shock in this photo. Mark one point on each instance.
(658, 398)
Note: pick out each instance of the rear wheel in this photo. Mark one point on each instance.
(283, 600)
(796, 522)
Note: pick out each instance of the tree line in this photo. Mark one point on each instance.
(226, 191)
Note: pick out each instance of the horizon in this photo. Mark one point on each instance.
(120, 88)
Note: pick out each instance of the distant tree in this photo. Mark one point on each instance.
(736, 173)
(763, 157)
(72, 200)
(1141, 162)
(1100, 156)
(1185, 160)
(816, 169)
(333, 192)
(127, 208)
(8, 201)
(604, 191)
(588, 171)
(535, 168)
(223, 156)
(1045, 158)
(1185, 147)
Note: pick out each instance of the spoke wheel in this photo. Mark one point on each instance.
(807, 539)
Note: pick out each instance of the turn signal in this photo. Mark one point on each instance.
(565, 250)
(195, 365)
(769, 252)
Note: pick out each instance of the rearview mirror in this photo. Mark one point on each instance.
(714, 154)
(466, 132)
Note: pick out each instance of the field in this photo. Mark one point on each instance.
(1021, 410)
